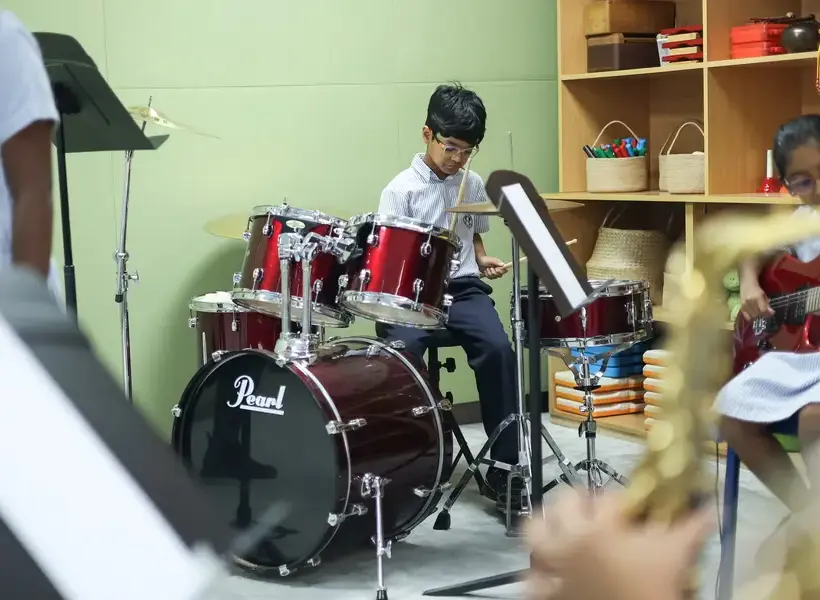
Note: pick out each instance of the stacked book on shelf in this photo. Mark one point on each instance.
(654, 367)
(621, 390)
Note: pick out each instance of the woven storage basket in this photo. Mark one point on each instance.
(630, 254)
(616, 174)
(682, 173)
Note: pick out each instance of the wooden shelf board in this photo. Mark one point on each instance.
(798, 59)
(634, 73)
(655, 196)
(660, 314)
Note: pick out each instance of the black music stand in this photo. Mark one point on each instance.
(549, 258)
(92, 119)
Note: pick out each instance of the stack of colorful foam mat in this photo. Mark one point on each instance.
(621, 390)
(654, 367)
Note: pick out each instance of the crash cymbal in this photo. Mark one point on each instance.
(151, 115)
(230, 226)
(488, 208)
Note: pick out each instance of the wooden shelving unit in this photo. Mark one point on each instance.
(740, 102)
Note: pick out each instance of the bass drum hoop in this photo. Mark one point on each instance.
(423, 513)
(177, 432)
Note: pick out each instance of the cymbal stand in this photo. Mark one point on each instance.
(523, 469)
(588, 382)
(124, 278)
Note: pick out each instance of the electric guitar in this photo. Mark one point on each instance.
(793, 288)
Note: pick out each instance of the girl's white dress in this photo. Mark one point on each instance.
(781, 383)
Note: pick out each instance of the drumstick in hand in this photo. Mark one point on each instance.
(524, 258)
(461, 191)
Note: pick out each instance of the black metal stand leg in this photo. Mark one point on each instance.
(464, 449)
(443, 519)
(68, 252)
(479, 584)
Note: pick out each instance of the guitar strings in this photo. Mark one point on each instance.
(792, 298)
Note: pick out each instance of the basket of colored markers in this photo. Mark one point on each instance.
(619, 166)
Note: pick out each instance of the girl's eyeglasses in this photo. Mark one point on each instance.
(451, 151)
(801, 185)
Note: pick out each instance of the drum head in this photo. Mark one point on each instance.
(215, 302)
(253, 434)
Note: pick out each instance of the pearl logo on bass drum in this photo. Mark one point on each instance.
(246, 400)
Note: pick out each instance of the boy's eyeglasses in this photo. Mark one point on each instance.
(801, 185)
(454, 151)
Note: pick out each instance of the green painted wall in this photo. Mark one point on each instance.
(319, 101)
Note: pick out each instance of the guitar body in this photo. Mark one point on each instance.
(792, 329)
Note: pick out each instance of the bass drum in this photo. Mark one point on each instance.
(303, 435)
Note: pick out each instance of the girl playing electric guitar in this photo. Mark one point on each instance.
(781, 385)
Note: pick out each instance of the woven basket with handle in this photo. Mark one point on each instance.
(616, 174)
(683, 173)
(630, 254)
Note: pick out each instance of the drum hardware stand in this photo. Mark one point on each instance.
(124, 278)
(523, 469)
(295, 248)
(536, 406)
(587, 382)
(373, 487)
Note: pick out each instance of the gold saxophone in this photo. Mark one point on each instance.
(671, 475)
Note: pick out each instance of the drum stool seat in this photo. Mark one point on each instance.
(442, 338)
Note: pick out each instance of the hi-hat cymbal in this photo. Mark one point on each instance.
(488, 208)
(151, 115)
(230, 226)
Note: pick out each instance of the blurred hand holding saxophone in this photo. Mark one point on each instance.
(671, 478)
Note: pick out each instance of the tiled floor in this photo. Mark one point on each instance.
(476, 545)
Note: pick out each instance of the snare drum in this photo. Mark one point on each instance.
(221, 325)
(259, 285)
(622, 313)
(401, 272)
(257, 432)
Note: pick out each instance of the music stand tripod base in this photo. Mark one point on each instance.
(520, 419)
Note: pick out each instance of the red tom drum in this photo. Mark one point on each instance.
(304, 436)
(401, 271)
(259, 285)
(622, 313)
(221, 326)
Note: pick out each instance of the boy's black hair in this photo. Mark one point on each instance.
(455, 112)
(803, 130)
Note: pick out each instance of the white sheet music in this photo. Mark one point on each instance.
(72, 505)
(516, 197)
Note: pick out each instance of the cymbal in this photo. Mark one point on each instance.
(488, 208)
(151, 115)
(229, 227)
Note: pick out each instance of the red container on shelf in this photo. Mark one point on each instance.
(756, 49)
(757, 32)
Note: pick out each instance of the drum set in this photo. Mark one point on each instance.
(349, 431)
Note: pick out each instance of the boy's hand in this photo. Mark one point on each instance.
(491, 268)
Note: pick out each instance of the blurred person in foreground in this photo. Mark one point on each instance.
(586, 549)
